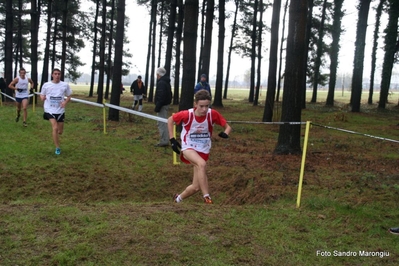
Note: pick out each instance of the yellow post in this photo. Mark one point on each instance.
(175, 161)
(305, 145)
(104, 120)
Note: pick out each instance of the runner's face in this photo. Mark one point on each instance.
(202, 107)
(56, 76)
(22, 73)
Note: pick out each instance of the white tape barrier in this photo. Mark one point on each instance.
(357, 133)
(160, 119)
(12, 98)
(153, 117)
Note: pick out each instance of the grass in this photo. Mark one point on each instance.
(106, 200)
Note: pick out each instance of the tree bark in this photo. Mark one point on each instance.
(189, 49)
(290, 135)
(113, 114)
(358, 61)
(271, 80)
(217, 101)
(336, 33)
(391, 40)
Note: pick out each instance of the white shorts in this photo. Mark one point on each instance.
(137, 97)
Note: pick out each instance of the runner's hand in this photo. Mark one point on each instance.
(223, 135)
(175, 145)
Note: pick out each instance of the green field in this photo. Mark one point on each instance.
(107, 199)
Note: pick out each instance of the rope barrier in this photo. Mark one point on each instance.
(357, 133)
(154, 117)
(8, 96)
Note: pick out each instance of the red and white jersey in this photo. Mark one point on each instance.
(197, 135)
(197, 130)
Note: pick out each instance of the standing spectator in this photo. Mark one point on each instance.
(3, 87)
(53, 93)
(163, 98)
(197, 127)
(138, 89)
(21, 86)
(203, 85)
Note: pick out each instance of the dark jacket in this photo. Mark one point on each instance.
(163, 93)
(203, 86)
(136, 90)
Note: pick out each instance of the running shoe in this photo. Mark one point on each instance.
(25, 124)
(57, 151)
(208, 200)
(17, 118)
(175, 197)
(394, 230)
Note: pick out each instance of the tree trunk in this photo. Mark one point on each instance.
(110, 46)
(233, 34)
(201, 49)
(374, 50)
(93, 62)
(150, 43)
(189, 49)
(179, 30)
(308, 34)
(391, 39)
(253, 54)
(34, 29)
(357, 76)
(206, 53)
(8, 43)
(271, 80)
(45, 70)
(336, 33)
(280, 76)
(290, 135)
(154, 34)
(161, 34)
(64, 38)
(101, 70)
(319, 53)
(259, 55)
(171, 32)
(217, 100)
(113, 114)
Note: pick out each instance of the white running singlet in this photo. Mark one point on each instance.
(197, 135)
(22, 86)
